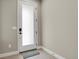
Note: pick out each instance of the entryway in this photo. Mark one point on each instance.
(27, 21)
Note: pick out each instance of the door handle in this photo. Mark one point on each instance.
(20, 30)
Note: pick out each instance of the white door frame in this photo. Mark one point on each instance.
(19, 20)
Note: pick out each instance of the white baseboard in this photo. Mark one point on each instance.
(57, 56)
(8, 54)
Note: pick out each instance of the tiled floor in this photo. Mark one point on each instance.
(42, 55)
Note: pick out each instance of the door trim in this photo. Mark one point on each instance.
(18, 18)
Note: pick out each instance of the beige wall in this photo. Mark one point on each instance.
(8, 20)
(59, 27)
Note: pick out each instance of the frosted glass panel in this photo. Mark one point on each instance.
(27, 25)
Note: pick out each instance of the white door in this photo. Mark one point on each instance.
(26, 26)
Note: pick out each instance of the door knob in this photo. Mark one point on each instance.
(20, 30)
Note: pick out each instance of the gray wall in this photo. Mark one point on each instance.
(8, 20)
(39, 24)
(0, 29)
(59, 27)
